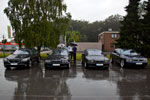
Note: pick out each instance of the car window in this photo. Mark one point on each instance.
(94, 52)
(21, 52)
(129, 52)
(34, 51)
(60, 52)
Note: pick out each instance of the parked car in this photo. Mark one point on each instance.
(58, 58)
(22, 58)
(128, 57)
(94, 58)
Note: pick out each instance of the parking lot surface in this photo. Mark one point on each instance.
(76, 83)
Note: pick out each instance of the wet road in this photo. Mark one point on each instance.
(74, 84)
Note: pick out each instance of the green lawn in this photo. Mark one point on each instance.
(43, 55)
(79, 56)
(149, 61)
(2, 55)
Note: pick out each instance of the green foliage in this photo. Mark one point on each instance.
(4, 41)
(89, 31)
(38, 22)
(72, 36)
(130, 30)
(43, 55)
(79, 56)
(2, 55)
(145, 30)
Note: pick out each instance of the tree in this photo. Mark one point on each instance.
(130, 29)
(142, 10)
(145, 36)
(38, 22)
(72, 36)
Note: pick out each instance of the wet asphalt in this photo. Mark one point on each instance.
(76, 83)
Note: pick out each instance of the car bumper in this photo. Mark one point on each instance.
(21, 64)
(136, 64)
(100, 65)
(56, 65)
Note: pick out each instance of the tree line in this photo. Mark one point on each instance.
(88, 32)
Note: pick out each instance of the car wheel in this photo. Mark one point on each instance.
(122, 63)
(111, 60)
(30, 64)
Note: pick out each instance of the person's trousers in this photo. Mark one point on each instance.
(74, 56)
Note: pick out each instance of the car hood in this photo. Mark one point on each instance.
(96, 58)
(17, 56)
(133, 57)
(57, 58)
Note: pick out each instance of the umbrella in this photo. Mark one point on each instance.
(61, 45)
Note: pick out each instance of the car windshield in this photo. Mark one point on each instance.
(60, 52)
(129, 52)
(94, 52)
(21, 52)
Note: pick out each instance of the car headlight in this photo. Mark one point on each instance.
(25, 59)
(90, 61)
(106, 61)
(5, 59)
(47, 61)
(65, 61)
(129, 60)
(145, 60)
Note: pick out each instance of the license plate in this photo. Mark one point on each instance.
(13, 64)
(56, 64)
(138, 63)
(99, 64)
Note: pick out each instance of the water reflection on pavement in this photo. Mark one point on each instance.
(76, 83)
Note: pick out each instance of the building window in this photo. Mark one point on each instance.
(114, 35)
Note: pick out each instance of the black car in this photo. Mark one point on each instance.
(94, 58)
(128, 57)
(58, 59)
(22, 58)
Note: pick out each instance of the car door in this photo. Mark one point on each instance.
(34, 54)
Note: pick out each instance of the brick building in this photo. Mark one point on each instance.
(107, 39)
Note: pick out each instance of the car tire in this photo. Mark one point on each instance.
(30, 64)
(111, 60)
(122, 63)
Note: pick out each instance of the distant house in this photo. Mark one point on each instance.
(107, 39)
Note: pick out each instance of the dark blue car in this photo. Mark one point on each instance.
(128, 57)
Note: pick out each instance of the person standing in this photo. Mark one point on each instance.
(70, 50)
(74, 53)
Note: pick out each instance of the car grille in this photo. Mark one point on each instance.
(14, 61)
(137, 60)
(56, 62)
(99, 61)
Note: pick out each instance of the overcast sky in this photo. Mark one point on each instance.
(89, 10)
